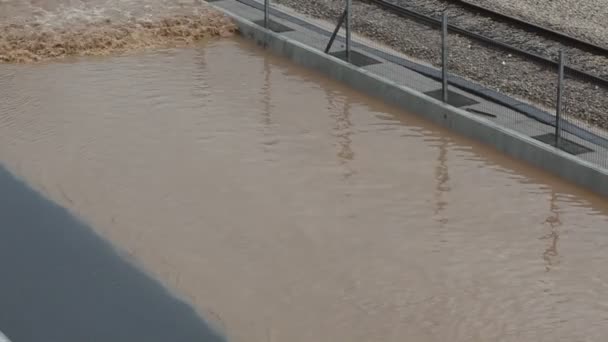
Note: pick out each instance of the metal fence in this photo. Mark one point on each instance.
(551, 103)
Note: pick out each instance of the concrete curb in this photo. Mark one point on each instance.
(455, 80)
(505, 140)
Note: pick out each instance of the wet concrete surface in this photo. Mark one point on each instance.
(61, 282)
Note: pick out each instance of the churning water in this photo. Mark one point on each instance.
(34, 30)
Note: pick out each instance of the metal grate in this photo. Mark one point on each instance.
(274, 26)
(356, 58)
(565, 145)
(454, 99)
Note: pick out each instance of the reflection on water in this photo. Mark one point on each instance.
(340, 109)
(266, 115)
(287, 208)
(551, 255)
(442, 175)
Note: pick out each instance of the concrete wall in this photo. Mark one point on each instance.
(508, 141)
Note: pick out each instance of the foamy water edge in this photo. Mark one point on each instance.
(95, 30)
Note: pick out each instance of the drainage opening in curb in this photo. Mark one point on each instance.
(274, 26)
(356, 58)
(454, 99)
(565, 145)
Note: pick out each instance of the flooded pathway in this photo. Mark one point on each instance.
(286, 207)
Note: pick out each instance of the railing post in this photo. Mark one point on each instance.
(266, 13)
(560, 90)
(349, 4)
(444, 57)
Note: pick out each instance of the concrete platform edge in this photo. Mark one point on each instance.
(505, 140)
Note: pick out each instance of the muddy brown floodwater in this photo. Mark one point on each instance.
(39, 30)
(286, 207)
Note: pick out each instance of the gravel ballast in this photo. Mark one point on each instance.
(594, 63)
(585, 19)
(490, 67)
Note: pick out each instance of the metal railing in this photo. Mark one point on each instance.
(267, 14)
(551, 118)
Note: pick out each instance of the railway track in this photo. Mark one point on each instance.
(587, 61)
(547, 32)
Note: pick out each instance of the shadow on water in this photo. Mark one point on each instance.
(61, 282)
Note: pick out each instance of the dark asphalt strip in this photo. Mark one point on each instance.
(60, 282)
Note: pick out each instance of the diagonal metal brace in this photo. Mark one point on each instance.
(335, 33)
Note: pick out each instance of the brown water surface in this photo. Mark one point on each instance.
(287, 207)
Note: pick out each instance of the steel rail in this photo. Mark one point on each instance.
(425, 19)
(529, 26)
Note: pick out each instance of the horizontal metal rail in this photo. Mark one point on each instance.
(486, 40)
